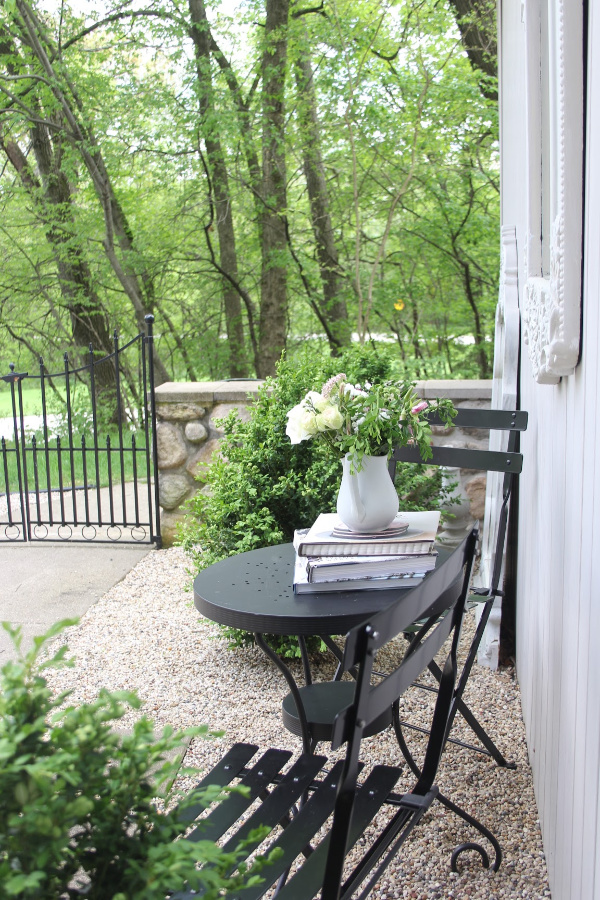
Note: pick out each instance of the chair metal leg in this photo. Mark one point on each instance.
(471, 845)
(276, 660)
(459, 705)
(453, 807)
(474, 725)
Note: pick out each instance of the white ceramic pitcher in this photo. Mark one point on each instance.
(367, 500)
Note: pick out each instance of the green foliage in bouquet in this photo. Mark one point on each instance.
(82, 807)
(262, 486)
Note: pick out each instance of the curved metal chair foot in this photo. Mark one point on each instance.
(470, 845)
(471, 820)
(452, 807)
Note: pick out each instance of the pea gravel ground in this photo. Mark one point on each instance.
(145, 635)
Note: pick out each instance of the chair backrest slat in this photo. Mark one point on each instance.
(494, 419)
(436, 598)
(504, 427)
(384, 694)
(417, 604)
(463, 458)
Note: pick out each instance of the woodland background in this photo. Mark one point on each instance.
(257, 175)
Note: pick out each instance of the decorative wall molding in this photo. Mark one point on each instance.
(552, 294)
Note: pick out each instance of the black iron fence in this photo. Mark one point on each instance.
(84, 467)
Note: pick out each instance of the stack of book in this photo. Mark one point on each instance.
(330, 557)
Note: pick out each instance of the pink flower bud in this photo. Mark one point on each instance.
(419, 407)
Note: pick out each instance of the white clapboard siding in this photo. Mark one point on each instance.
(558, 586)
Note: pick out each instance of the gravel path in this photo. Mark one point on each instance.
(145, 635)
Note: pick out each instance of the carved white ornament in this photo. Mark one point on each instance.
(552, 301)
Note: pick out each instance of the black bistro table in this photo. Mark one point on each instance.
(253, 592)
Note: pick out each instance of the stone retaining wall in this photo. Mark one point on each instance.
(187, 437)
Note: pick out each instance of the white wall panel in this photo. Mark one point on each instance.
(558, 596)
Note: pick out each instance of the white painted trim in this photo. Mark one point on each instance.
(504, 396)
(552, 299)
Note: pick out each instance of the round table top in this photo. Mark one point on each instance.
(253, 591)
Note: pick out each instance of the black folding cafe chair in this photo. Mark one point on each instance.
(318, 813)
(507, 461)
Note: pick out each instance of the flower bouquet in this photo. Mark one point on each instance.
(362, 424)
(365, 420)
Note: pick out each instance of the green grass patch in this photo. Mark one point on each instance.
(32, 401)
(67, 469)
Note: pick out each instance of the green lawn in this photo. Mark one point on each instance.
(32, 403)
(64, 471)
(32, 400)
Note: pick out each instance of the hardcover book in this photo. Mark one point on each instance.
(333, 568)
(320, 540)
(372, 583)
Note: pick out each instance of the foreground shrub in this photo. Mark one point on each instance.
(82, 807)
(262, 486)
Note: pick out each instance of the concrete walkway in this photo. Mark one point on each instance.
(41, 583)
(44, 581)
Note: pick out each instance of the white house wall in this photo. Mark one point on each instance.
(558, 593)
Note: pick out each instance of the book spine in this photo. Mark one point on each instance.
(320, 577)
(368, 584)
(334, 562)
(393, 549)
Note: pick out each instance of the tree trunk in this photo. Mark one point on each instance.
(53, 201)
(138, 285)
(238, 365)
(476, 20)
(242, 105)
(333, 311)
(273, 305)
(482, 358)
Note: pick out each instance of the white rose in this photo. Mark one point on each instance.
(296, 428)
(330, 419)
(302, 421)
(317, 401)
(308, 422)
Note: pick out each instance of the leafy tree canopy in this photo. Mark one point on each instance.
(252, 175)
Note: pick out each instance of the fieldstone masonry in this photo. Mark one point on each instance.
(470, 484)
(187, 437)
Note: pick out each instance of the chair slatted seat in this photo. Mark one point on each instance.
(318, 809)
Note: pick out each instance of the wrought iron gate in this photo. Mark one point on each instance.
(88, 471)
